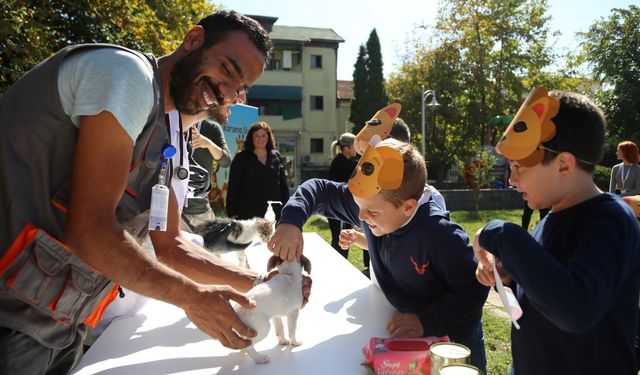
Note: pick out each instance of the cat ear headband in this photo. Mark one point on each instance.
(380, 125)
(381, 167)
(532, 125)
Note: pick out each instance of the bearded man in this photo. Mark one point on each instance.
(83, 141)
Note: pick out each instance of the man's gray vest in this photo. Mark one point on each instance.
(46, 291)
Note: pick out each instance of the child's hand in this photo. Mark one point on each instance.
(484, 272)
(349, 237)
(286, 242)
(406, 325)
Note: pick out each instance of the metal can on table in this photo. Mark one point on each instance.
(460, 369)
(447, 353)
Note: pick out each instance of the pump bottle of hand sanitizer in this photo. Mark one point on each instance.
(270, 214)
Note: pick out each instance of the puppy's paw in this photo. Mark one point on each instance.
(283, 341)
(295, 342)
(262, 359)
(257, 357)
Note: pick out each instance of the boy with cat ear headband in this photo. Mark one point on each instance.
(423, 262)
(577, 275)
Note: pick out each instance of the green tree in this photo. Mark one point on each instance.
(376, 93)
(358, 114)
(481, 58)
(368, 83)
(32, 30)
(611, 48)
(477, 174)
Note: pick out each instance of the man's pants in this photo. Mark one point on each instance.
(21, 354)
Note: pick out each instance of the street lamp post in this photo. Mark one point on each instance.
(434, 103)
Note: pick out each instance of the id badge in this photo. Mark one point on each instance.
(159, 208)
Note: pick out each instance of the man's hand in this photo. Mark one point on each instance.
(306, 286)
(286, 242)
(212, 313)
(406, 325)
(306, 289)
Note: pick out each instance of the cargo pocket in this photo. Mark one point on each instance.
(37, 273)
(41, 271)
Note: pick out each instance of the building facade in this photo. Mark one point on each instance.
(297, 97)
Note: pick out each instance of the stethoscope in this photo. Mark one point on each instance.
(181, 172)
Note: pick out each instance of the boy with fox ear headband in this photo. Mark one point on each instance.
(577, 276)
(423, 262)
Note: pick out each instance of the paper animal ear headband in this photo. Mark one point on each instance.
(380, 125)
(381, 167)
(532, 125)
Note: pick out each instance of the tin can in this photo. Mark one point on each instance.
(447, 353)
(460, 369)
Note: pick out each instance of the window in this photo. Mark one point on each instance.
(274, 64)
(316, 61)
(288, 109)
(317, 103)
(287, 61)
(317, 145)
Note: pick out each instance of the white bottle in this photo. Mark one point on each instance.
(270, 214)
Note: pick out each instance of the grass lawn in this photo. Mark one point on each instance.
(496, 329)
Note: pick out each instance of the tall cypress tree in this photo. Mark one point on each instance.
(376, 93)
(359, 113)
(368, 83)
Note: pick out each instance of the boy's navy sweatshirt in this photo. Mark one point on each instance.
(578, 282)
(425, 267)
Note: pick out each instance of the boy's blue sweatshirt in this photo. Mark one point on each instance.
(578, 282)
(426, 267)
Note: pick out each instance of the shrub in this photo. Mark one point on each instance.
(602, 176)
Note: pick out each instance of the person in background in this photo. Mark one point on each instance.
(257, 175)
(342, 165)
(577, 275)
(208, 144)
(625, 177)
(527, 212)
(400, 131)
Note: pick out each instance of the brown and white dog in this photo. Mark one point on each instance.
(280, 296)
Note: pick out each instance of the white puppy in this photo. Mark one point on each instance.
(280, 296)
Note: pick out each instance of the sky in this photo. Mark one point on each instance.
(353, 20)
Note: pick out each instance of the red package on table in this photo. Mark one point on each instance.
(389, 356)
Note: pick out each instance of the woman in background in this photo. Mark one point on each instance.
(257, 175)
(625, 177)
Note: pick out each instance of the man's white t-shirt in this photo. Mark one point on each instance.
(107, 79)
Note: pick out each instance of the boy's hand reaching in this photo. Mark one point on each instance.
(484, 272)
(405, 325)
(350, 237)
(286, 242)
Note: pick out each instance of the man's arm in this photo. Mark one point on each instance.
(92, 231)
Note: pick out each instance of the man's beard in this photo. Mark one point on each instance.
(220, 114)
(183, 83)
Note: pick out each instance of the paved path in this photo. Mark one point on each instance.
(494, 304)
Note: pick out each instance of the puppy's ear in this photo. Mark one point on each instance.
(273, 262)
(306, 264)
